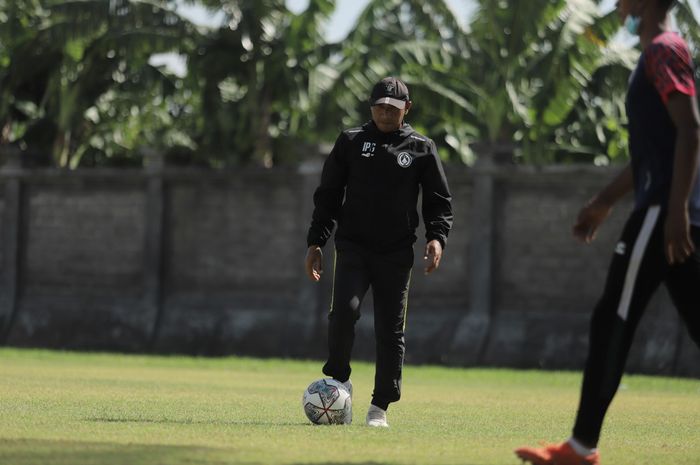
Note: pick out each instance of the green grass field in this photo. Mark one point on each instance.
(73, 409)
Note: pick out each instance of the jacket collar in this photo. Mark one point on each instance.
(404, 131)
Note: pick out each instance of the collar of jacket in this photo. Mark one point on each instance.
(404, 131)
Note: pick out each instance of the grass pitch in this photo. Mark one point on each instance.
(82, 409)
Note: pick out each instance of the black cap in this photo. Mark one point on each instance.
(390, 90)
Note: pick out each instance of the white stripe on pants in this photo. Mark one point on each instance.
(640, 246)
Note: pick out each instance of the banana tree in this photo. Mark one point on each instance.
(395, 37)
(77, 52)
(529, 66)
(257, 78)
(19, 20)
(686, 13)
(520, 73)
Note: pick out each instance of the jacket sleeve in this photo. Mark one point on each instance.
(329, 195)
(437, 200)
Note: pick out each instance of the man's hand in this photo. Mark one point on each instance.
(678, 245)
(589, 220)
(314, 263)
(432, 256)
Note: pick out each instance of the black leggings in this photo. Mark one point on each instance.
(638, 267)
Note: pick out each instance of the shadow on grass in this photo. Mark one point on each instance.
(57, 452)
(190, 421)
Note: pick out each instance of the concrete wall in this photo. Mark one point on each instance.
(201, 262)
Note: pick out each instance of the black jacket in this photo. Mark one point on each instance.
(370, 185)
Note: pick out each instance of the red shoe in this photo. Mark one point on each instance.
(558, 454)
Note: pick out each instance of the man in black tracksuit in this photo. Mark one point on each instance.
(369, 187)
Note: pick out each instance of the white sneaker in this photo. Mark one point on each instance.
(376, 417)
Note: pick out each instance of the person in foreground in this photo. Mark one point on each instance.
(658, 243)
(369, 186)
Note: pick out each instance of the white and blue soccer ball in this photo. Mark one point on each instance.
(327, 402)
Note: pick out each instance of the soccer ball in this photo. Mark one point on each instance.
(327, 402)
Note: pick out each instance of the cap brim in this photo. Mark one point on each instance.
(394, 102)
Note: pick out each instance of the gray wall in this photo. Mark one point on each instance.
(201, 262)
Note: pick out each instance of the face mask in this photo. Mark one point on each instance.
(632, 24)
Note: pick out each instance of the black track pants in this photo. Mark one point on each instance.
(389, 275)
(638, 267)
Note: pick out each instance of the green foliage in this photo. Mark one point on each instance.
(73, 67)
(526, 70)
(257, 78)
(108, 409)
(686, 12)
(406, 39)
(523, 73)
(77, 80)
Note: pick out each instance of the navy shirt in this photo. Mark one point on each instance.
(665, 67)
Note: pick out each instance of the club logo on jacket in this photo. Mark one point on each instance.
(404, 159)
(368, 149)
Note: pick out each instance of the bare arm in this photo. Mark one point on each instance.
(599, 207)
(683, 110)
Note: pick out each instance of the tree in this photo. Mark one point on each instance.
(68, 56)
(18, 22)
(528, 68)
(257, 78)
(686, 17)
(525, 73)
(401, 38)
(76, 79)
